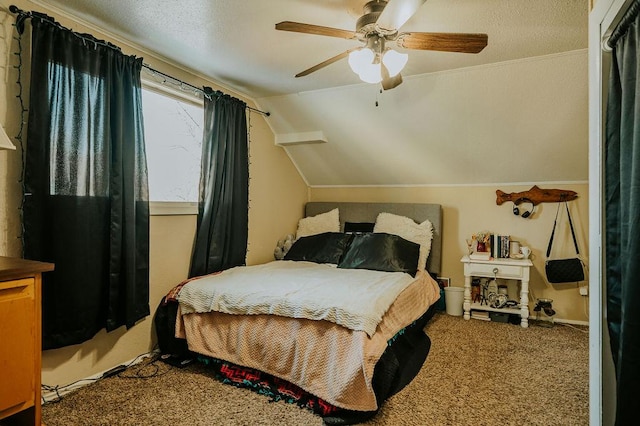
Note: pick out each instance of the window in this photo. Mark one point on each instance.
(173, 137)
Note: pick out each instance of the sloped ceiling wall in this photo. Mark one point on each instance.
(518, 121)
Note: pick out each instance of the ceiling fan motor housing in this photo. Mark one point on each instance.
(366, 24)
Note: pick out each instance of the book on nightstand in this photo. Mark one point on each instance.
(480, 255)
(481, 315)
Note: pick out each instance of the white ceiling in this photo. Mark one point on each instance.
(521, 103)
(235, 42)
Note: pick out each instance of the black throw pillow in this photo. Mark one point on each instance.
(358, 227)
(381, 252)
(321, 248)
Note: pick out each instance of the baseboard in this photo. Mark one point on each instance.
(572, 322)
(54, 395)
(61, 391)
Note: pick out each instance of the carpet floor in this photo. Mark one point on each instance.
(477, 373)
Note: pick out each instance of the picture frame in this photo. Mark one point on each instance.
(443, 282)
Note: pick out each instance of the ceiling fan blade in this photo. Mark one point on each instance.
(325, 63)
(397, 12)
(444, 42)
(389, 82)
(298, 27)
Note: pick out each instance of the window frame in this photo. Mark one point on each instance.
(173, 208)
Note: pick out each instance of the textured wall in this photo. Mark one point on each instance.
(10, 161)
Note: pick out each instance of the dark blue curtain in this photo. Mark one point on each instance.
(622, 211)
(223, 207)
(86, 203)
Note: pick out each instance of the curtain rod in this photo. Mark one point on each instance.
(22, 15)
(198, 89)
(623, 26)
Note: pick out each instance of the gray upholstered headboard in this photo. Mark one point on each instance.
(368, 212)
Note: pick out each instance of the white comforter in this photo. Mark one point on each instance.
(353, 298)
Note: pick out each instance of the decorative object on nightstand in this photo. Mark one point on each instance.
(479, 245)
(470, 245)
(476, 291)
(492, 286)
(514, 250)
(483, 240)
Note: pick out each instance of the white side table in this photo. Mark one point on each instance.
(510, 269)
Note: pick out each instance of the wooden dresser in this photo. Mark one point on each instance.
(20, 340)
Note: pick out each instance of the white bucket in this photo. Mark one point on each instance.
(454, 297)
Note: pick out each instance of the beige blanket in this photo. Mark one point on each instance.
(323, 358)
(354, 298)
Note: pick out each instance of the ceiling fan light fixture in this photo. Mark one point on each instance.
(371, 73)
(394, 61)
(363, 62)
(361, 58)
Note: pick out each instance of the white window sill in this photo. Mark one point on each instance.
(172, 208)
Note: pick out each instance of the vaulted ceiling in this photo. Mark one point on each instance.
(491, 117)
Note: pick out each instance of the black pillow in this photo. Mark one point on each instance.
(321, 248)
(358, 227)
(381, 252)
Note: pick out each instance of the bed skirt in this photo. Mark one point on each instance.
(399, 364)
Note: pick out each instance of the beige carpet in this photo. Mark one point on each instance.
(477, 373)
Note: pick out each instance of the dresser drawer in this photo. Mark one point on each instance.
(487, 270)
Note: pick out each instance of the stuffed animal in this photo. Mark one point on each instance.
(283, 247)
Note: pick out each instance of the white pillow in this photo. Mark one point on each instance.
(324, 222)
(409, 230)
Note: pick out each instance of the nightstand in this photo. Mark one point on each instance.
(510, 269)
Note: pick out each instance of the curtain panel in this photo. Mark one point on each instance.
(622, 211)
(86, 201)
(223, 206)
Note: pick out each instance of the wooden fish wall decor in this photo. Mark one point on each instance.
(536, 196)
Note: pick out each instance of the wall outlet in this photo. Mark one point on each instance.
(584, 290)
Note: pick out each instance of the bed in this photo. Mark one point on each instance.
(337, 325)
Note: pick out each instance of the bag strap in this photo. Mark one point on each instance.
(553, 231)
(573, 233)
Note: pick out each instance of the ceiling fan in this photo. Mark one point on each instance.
(380, 23)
